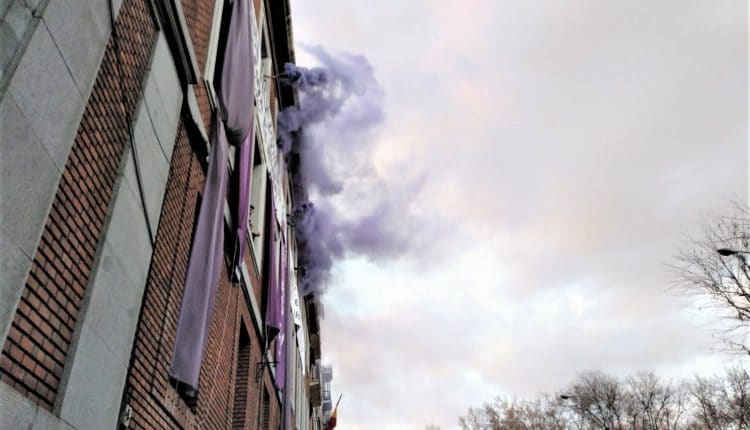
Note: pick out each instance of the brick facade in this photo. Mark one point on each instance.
(39, 339)
(199, 16)
(155, 403)
(37, 350)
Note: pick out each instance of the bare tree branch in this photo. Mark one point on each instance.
(722, 281)
(644, 401)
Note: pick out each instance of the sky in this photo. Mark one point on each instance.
(543, 163)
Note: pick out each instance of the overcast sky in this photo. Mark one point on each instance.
(563, 149)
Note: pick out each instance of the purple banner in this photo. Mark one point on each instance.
(236, 87)
(233, 125)
(204, 268)
(273, 303)
(280, 351)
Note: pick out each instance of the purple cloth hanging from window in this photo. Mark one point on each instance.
(236, 87)
(236, 98)
(236, 94)
(280, 352)
(204, 268)
(274, 317)
(244, 167)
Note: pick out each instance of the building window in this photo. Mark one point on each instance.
(222, 15)
(241, 379)
(257, 207)
(265, 415)
(173, 23)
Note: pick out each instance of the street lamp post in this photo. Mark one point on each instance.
(743, 264)
(726, 252)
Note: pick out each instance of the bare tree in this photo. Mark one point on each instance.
(708, 412)
(475, 419)
(715, 270)
(599, 399)
(544, 412)
(723, 402)
(643, 401)
(736, 394)
(653, 404)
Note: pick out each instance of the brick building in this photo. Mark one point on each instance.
(108, 110)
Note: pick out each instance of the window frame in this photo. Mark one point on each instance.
(256, 230)
(209, 69)
(171, 19)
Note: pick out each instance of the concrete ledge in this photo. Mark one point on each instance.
(152, 166)
(18, 412)
(80, 29)
(161, 89)
(91, 399)
(14, 268)
(25, 199)
(48, 96)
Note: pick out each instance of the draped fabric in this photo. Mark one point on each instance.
(274, 316)
(233, 125)
(244, 178)
(204, 268)
(237, 100)
(236, 86)
(276, 302)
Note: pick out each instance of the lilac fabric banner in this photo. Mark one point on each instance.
(237, 83)
(237, 101)
(275, 304)
(204, 268)
(244, 165)
(233, 125)
(280, 352)
(274, 316)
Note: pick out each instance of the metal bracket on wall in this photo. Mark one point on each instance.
(127, 415)
(260, 367)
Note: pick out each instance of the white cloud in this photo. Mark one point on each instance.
(566, 148)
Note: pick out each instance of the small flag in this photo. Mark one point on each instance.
(332, 421)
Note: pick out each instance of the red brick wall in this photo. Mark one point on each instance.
(36, 349)
(153, 400)
(199, 17)
(35, 353)
(155, 403)
(242, 408)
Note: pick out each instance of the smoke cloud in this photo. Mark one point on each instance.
(346, 207)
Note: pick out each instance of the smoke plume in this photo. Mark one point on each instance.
(345, 207)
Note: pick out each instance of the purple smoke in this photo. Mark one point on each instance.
(303, 78)
(347, 208)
